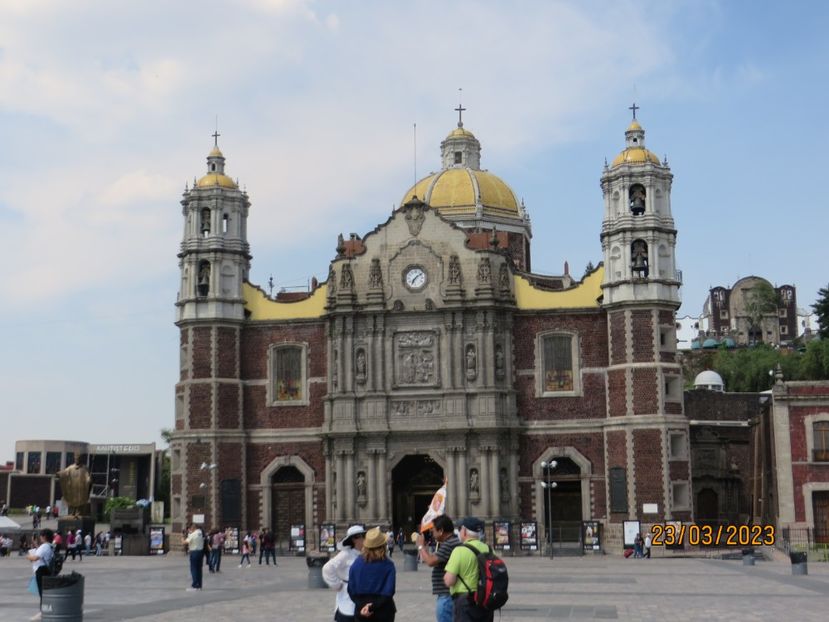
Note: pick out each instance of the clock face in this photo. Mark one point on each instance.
(415, 278)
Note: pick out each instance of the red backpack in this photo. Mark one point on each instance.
(493, 580)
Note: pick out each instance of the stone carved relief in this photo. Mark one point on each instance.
(416, 358)
(347, 278)
(332, 282)
(360, 366)
(415, 218)
(484, 271)
(503, 279)
(375, 275)
(455, 274)
(334, 368)
(419, 408)
(398, 305)
(471, 362)
(429, 305)
(499, 361)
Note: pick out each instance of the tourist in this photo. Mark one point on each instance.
(401, 539)
(390, 541)
(42, 557)
(371, 580)
(461, 575)
(195, 544)
(637, 545)
(217, 544)
(444, 535)
(335, 571)
(245, 552)
(648, 543)
(70, 544)
(87, 544)
(268, 545)
(79, 544)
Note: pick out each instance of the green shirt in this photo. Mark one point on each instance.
(464, 565)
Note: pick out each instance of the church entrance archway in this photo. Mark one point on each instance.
(414, 482)
(563, 503)
(287, 503)
(708, 506)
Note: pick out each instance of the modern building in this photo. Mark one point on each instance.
(433, 351)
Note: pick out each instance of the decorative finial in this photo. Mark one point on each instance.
(605, 162)
(270, 286)
(634, 107)
(460, 109)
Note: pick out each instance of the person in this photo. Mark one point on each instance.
(390, 541)
(87, 543)
(461, 575)
(335, 571)
(648, 543)
(70, 544)
(372, 579)
(401, 539)
(245, 553)
(443, 531)
(268, 546)
(195, 544)
(637, 545)
(41, 558)
(79, 544)
(217, 545)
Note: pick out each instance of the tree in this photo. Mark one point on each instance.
(116, 503)
(761, 300)
(821, 309)
(588, 269)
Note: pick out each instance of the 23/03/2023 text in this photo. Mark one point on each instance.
(707, 535)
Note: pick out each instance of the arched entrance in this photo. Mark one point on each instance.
(708, 506)
(414, 482)
(563, 504)
(287, 503)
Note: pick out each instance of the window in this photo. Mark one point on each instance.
(783, 312)
(52, 462)
(680, 495)
(667, 339)
(225, 223)
(678, 446)
(288, 373)
(723, 314)
(458, 157)
(618, 490)
(18, 464)
(33, 465)
(821, 441)
(205, 222)
(559, 373)
(70, 458)
(673, 389)
(784, 330)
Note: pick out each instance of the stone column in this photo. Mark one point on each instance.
(340, 514)
(347, 356)
(382, 483)
(446, 352)
(329, 477)
(372, 488)
(495, 487)
(485, 483)
(452, 483)
(463, 484)
(513, 481)
(487, 359)
(348, 476)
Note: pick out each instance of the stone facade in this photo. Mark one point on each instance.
(432, 352)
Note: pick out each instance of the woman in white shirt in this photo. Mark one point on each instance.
(41, 558)
(335, 571)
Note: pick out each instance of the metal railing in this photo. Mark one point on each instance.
(810, 540)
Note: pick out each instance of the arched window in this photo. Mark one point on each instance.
(639, 264)
(636, 199)
(225, 224)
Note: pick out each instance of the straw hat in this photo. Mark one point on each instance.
(374, 539)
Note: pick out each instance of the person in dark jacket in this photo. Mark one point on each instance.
(372, 579)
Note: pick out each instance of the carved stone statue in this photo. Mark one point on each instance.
(361, 484)
(375, 275)
(332, 282)
(347, 278)
(471, 363)
(75, 485)
(484, 271)
(360, 365)
(455, 275)
(499, 361)
(474, 483)
(503, 278)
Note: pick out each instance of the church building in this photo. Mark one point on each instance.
(433, 351)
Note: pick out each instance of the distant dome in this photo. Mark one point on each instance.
(710, 343)
(710, 380)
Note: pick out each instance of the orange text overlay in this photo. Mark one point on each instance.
(706, 535)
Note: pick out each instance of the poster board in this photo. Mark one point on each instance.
(631, 528)
(297, 539)
(118, 544)
(232, 543)
(156, 541)
(328, 538)
(501, 535)
(529, 536)
(591, 536)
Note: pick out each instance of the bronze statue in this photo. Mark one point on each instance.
(75, 485)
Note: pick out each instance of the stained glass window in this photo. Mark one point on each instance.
(288, 374)
(558, 363)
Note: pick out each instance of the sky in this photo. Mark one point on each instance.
(107, 109)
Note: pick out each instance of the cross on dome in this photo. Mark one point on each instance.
(460, 109)
(216, 135)
(634, 108)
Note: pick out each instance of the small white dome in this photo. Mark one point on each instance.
(709, 379)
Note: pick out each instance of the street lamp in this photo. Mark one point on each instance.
(548, 486)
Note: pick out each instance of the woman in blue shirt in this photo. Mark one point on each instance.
(371, 580)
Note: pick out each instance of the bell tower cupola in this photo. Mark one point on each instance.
(215, 254)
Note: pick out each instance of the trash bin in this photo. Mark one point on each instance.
(63, 597)
(315, 564)
(799, 566)
(748, 557)
(409, 557)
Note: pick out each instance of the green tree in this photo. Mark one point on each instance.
(588, 269)
(761, 300)
(821, 309)
(815, 361)
(116, 503)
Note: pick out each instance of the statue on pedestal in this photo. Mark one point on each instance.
(75, 486)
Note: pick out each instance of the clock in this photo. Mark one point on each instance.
(415, 278)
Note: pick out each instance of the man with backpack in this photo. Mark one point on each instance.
(476, 578)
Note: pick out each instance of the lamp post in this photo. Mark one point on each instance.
(208, 470)
(548, 486)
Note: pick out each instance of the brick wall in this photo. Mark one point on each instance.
(617, 391)
(618, 338)
(642, 329)
(226, 340)
(647, 457)
(200, 405)
(645, 392)
(257, 339)
(228, 406)
(202, 354)
(617, 457)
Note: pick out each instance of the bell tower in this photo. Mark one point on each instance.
(647, 440)
(215, 255)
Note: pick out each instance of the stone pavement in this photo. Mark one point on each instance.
(601, 587)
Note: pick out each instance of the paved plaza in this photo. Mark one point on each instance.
(601, 587)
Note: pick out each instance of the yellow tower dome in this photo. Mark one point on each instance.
(634, 151)
(216, 170)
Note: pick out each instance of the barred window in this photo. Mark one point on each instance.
(558, 363)
(288, 374)
(821, 447)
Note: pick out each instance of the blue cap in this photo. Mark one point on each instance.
(472, 524)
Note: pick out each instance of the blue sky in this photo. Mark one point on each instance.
(106, 110)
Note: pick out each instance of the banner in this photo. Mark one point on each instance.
(529, 536)
(156, 540)
(591, 537)
(501, 535)
(436, 508)
(328, 538)
(297, 540)
(231, 540)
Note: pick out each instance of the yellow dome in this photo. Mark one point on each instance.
(460, 132)
(216, 179)
(215, 153)
(458, 191)
(634, 126)
(635, 155)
